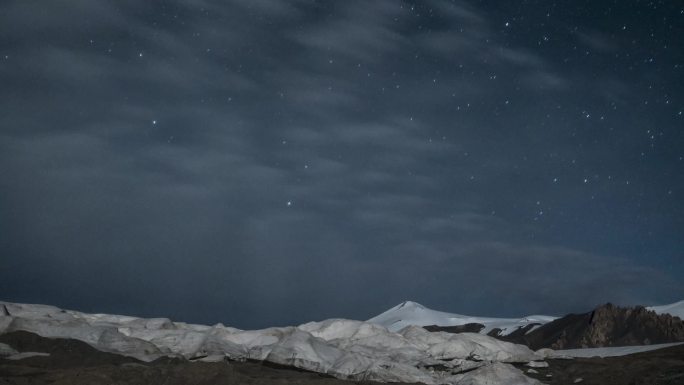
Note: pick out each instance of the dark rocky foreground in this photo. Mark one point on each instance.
(658, 367)
(74, 362)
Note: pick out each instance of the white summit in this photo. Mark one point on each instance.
(412, 313)
(345, 349)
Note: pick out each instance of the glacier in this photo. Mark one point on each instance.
(345, 349)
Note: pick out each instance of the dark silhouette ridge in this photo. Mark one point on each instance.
(607, 325)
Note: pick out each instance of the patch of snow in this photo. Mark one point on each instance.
(6, 350)
(412, 313)
(496, 373)
(535, 327)
(545, 353)
(537, 364)
(21, 356)
(610, 351)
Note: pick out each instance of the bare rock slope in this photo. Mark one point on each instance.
(607, 325)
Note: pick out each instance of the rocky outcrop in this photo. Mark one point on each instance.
(607, 325)
(612, 325)
(467, 328)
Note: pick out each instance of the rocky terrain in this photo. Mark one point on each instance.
(607, 325)
(657, 367)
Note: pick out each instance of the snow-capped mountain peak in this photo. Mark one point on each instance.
(410, 305)
(412, 313)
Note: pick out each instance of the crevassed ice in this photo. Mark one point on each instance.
(342, 348)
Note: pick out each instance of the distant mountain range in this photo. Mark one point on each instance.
(61, 341)
(607, 325)
(412, 313)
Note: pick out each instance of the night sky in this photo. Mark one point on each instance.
(263, 162)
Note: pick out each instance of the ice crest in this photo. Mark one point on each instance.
(345, 349)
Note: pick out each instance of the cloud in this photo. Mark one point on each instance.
(357, 32)
(407, 142)
(597, 41)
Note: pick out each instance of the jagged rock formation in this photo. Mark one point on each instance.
(467, 328)
(607, 325)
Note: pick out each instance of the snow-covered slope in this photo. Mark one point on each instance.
(341, 348)
(610, 351)
(412, 313)
(676, 309)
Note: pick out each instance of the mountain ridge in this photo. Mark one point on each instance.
(413, 313)
(606, 325)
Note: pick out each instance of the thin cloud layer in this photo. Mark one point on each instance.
(268, 163)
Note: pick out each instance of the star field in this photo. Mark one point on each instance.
(264, 163)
